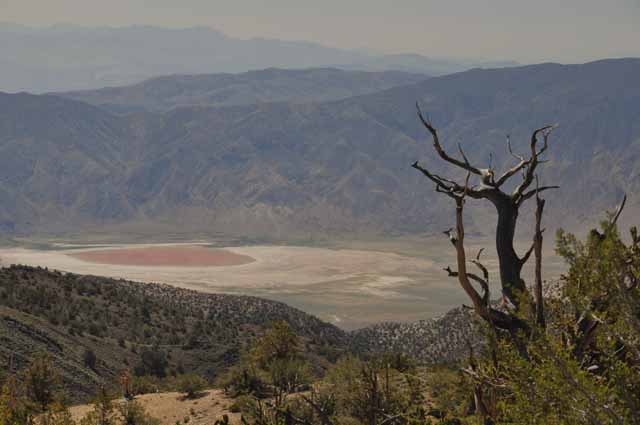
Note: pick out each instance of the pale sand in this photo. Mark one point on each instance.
(172, 407)
(273, 267)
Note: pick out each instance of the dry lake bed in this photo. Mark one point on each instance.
(350, 287)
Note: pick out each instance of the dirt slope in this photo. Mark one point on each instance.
(172, 407)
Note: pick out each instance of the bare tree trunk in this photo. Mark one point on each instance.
(507, 205)
(537, 243)
(513, 287)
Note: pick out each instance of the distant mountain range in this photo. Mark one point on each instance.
(67, 57)
(340, 167)
(253, 87)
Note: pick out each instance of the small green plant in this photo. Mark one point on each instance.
(133, 413)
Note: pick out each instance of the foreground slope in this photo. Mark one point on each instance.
(170, 408)
(121, 322)
(306, 170)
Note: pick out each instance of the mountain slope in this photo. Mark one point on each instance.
(335, 168)
(121, 322)
(264, 86)
(59, 158)
(444, 339)
(65, 315)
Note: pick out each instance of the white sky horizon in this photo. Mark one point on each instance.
(565, 31)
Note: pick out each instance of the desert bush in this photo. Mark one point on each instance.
(243, 379)
(41, 381)
(584, 365)
(14, 408)
(132, 413)
(58, 414)
(152, 362)
(144, 385)
(191, 385)
(449, 391)
(279, 342)
(372, 391)
(104, 410)
(353, 391)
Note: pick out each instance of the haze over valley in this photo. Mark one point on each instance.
(62, 57)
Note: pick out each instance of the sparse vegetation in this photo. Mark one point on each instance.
(571, 357)
(38, 401)
(191, 385)
(41, 381)
(274, 367)
(272, 386)
(94, 327)
(104, 410)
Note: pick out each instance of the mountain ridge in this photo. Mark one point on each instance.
(319, 169)
(79, 57)
(272, 85)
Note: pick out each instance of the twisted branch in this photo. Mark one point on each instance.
(436, 144)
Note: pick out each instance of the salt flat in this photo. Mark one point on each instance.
(349, 287)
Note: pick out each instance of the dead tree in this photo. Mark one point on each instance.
(507, 204)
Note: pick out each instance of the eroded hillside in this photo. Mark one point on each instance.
(313, 170)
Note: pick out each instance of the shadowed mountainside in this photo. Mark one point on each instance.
(334, 168)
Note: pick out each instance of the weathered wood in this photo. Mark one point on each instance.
(537, 243)
(507, 207)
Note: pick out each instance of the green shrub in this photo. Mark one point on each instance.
(133, 413)
(152, 362)
(191, 385)
(41, 381)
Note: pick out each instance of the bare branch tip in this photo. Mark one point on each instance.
(619, 210)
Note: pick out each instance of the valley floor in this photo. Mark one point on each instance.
(351, 285)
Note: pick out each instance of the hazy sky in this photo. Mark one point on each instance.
(527, 31)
